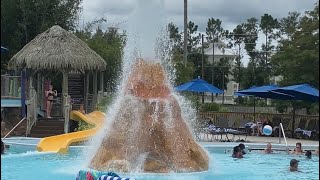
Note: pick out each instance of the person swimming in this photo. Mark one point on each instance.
(294, 165)
(298, 149)
(2, 147)
(237, 152)
(268, 150)
(308, 154)
(316, 152)
(242, 147)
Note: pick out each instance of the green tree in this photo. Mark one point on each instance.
(267, 25)
(22, 20)
(236, 39)
(183, 73)
(289, 25)
(109, 45)
(175, 37)
(214, 30)
(298, 61)
(193, 37)
(215, 33)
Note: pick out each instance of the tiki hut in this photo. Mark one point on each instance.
(58, 51)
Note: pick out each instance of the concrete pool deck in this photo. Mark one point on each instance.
(265, 139)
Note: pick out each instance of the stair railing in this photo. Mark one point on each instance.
(14, 128)
(31, 113)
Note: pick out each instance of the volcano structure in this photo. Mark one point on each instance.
(149, 133)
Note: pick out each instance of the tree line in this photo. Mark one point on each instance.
(290, 49)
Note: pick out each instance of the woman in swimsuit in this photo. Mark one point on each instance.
(49, 95)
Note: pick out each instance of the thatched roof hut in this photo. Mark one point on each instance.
(57, 49)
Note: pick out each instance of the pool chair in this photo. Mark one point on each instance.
(301, 130)
(217, 129)
(311, 131)
(276, 123)
(224, 126)
(242, 126)
(201, 128)
(241, 129)
(286, 123)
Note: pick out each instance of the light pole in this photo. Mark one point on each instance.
(223, 85)
(202, 56)
(202, 63)
(185, 33)
(212, 71)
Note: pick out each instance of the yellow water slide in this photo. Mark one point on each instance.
(60, 143)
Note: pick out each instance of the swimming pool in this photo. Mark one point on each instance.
(22, 162)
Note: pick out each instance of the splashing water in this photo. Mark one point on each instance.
(147, 129)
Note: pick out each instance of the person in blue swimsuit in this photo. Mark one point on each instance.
(50, 94)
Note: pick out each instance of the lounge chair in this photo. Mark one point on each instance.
(276, 123)
(200, 127)
(218, 128)
(287, 127)
(301, 130)
(224, 126)
(312, 130)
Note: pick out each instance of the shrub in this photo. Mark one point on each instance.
(84, 126)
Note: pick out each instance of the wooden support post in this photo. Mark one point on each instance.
(101, 81)
(86, 90)
(39, 89)
(95, 90)
(23, 93)
(31, 88)
(65, 99)
(64, 86)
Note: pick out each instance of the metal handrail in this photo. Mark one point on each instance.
(284, 135)
(14, 128)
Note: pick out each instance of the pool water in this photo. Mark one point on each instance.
(21, 162)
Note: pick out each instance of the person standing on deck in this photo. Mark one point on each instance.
(50, 94)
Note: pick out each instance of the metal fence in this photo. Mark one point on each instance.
(10, 86)
(237, 117)
(271, 110)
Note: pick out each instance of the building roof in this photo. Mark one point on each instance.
(218, 51)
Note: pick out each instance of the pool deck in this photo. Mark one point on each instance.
(264, 139)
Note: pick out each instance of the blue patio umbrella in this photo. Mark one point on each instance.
(199, 86)
(300, 92)
(3, 49)
(239, 94)
(265, 92)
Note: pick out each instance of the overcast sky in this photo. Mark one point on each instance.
(231, 12)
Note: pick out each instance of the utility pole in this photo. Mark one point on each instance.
(223, 51)
(202, 57)
(212, 74)
(239, 60)
(267, 78)
(202, 63)
(223, 85)
(185, 34)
